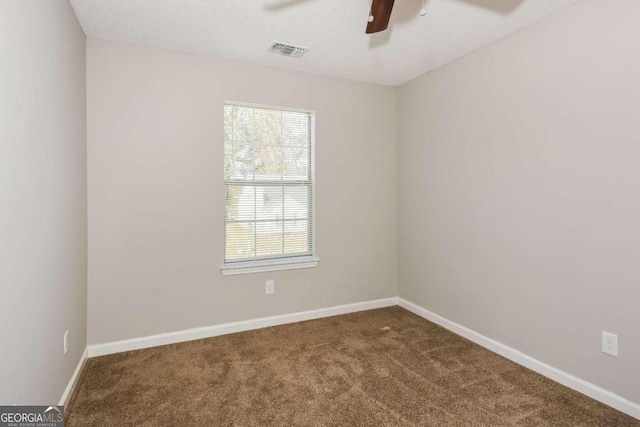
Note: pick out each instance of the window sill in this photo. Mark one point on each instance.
(249, 267)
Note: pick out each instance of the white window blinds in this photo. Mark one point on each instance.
(268, 170)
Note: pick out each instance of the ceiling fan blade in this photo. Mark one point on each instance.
(381, 12)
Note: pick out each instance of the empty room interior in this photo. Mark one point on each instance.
(320, 212)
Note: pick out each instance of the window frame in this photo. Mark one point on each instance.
(284, 262)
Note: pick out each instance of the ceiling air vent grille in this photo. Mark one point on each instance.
(288, 49)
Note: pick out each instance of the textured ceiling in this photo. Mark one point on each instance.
(243, 30)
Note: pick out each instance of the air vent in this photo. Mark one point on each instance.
(288, 49)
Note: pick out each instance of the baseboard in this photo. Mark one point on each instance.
(568, 380)
(74, 379)
(229, 328)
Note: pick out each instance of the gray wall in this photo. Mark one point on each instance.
(519, 184)
(43, 203)
(156, 193)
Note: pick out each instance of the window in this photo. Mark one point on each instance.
(269, 188)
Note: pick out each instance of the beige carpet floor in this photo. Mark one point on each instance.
(383, 367)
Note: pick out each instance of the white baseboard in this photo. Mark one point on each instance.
(229, 328)
(74, 379)
(568, 380)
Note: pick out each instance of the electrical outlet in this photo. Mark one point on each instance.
(66, 342)
(610, 343)
(269, 287)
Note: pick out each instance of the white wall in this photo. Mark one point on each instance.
(156, 193)
(519, 180)
(43, 204)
